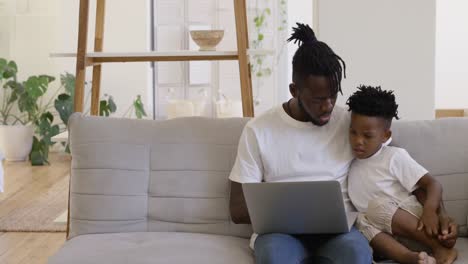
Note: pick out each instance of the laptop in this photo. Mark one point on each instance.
(315, 207)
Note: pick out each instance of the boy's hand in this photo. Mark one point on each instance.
(448, 231)
(430, 222)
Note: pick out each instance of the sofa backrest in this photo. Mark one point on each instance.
(142, 175)
(441, 146)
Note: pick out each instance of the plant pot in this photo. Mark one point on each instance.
(16, 141)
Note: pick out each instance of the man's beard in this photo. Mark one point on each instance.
(306, 114)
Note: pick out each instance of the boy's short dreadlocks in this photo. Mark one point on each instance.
(373, 101)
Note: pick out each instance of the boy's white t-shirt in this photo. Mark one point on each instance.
(391, 173)
(274, 147)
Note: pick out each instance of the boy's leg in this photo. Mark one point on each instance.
(376, 225)
(346, 248)
(386, 245)
(405, 224)
(279, 248)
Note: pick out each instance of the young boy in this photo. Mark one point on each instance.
(382, 180)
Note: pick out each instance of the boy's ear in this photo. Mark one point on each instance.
(387, 135)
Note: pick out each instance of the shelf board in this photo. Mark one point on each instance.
(184, 55)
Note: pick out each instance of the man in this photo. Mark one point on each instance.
(305, 139)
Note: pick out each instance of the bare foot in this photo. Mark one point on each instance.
(424, 258)
(445, 255)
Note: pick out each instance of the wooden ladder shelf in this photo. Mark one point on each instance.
(96, 58)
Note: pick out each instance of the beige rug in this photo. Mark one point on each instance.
(40, 215)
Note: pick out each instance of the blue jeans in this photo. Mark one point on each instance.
(348, 248)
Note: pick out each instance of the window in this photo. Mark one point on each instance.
(193, 88)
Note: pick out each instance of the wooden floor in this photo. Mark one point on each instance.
(23, 184)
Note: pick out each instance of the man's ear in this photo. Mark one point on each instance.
(387, 135)
(293, 89)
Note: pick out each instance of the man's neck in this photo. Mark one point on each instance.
(294, 111)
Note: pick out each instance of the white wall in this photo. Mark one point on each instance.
(452, 54)
(30, 30)
(27, 35)
(387, 43)
(302, 12)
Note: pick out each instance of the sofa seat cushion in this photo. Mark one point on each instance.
(461, 246)
(154, 247)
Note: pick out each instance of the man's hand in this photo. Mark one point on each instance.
(430, 222)
(448, 231)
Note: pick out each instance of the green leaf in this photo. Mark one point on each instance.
(64, 106)
(259, 21)
(12, 65)
(13, 98)
(34, 87)
(139, 107)
(103, 108)
(267, 72)
(68, 82)
(47, 116)
(268, 11)
(9, 69)
(260, 37)
(111, 104)
(48, 78)
(39, 152)
(15, 86)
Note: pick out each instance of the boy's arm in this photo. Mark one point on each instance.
(448, 227)
(237, 205)
(430, 220)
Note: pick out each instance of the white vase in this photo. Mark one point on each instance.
(16, 141)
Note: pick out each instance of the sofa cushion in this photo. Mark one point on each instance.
(157, 176)
(441, 147)
(154, 247)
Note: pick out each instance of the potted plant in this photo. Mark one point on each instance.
(16, 135)
(26, 119)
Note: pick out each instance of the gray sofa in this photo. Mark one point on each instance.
(157, 191)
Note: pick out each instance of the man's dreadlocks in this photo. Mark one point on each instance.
(314, 57)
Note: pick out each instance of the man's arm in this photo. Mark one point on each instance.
(237, 205)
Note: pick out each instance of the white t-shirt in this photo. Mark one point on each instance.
(274, 147)
(391, 173)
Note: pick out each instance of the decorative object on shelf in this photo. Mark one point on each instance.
(182, 107)
(179, 108)
(228, 108)
(225, 107)
(207, 39)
